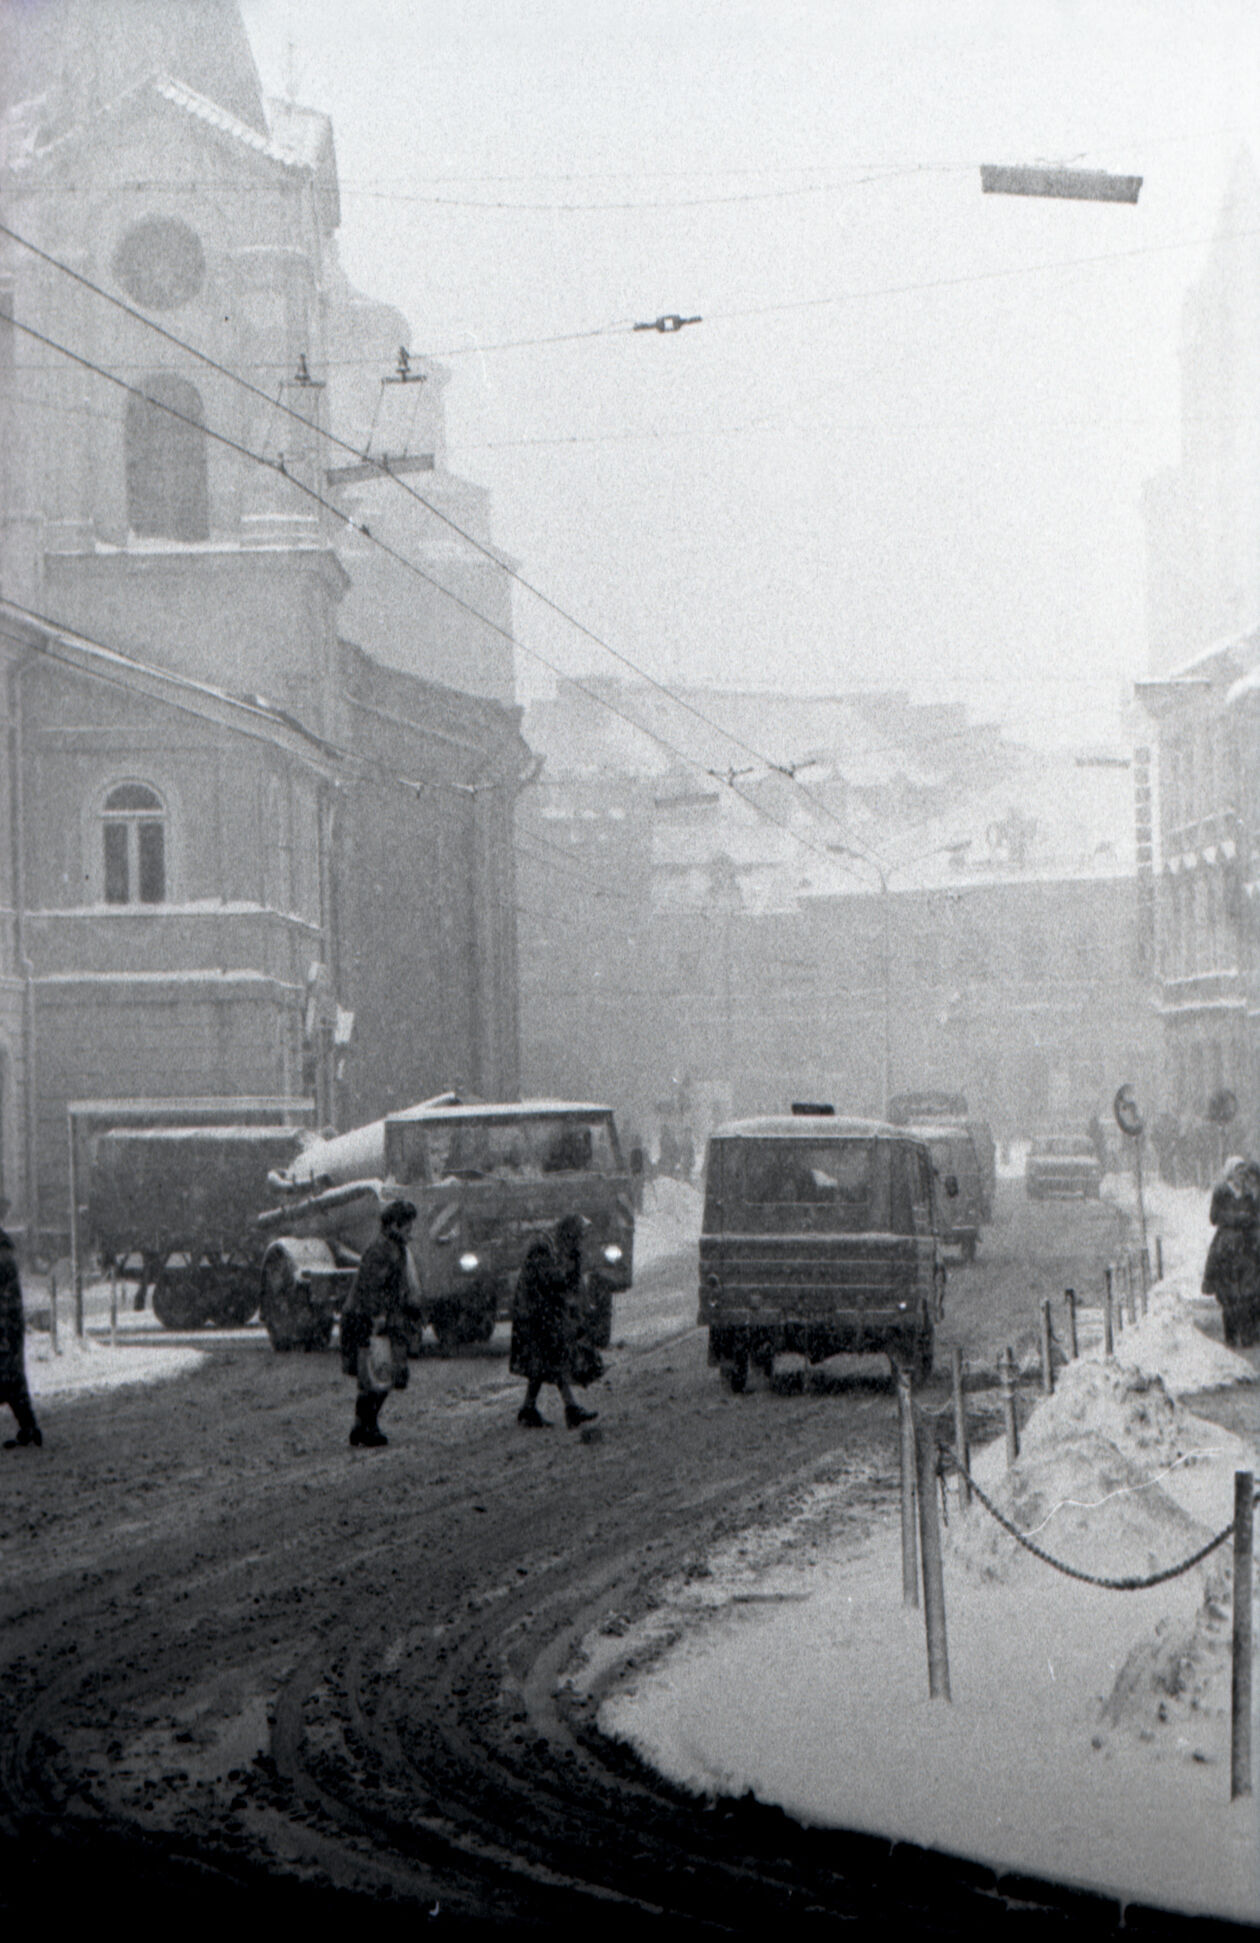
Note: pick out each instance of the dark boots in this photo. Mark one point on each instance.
(28, 1432)
(575, 1415)
(531, 1416)
(365, 1432)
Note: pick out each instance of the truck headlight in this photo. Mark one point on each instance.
(468, 1263)
(612, 1253)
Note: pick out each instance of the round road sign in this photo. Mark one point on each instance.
(1125, 1107)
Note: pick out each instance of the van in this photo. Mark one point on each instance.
(821, 1237)
(954, 1159)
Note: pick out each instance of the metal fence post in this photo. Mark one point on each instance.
(961, 1448)
(1006, 1378)
(1240, 1686)
(1159, 1258)
(113, 1306)
(1069, 1296)
(52, 1312)
(909, 1541)
(1109, 1341)
(933, 1576)
(1047, 1363)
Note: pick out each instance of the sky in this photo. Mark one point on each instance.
(906, 445)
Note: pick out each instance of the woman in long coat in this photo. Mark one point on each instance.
(1232, 1270)
(545, 1323)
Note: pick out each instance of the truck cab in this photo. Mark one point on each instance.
(487, 1179)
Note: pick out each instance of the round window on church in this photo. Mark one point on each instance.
(160, 262)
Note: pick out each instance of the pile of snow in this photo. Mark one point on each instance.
(669, 1222)
(1087, 1485)
(1088, 1736)
(84, 1365)
(1169, 1338)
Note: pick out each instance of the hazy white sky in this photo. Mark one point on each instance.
(935, 487)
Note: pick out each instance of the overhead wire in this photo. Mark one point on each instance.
(435, 511)
(347, 520)
(487, 552)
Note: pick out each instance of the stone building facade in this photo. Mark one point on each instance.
(1206, 722)
(261, 777)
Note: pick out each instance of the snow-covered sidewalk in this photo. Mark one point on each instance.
(1088, 1735)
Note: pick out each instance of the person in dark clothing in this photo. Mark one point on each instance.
(380, 1304)
(545, 1323)
(1232, 1270)
(13, 1390)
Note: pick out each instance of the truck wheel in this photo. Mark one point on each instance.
(287, 1311)
(230, 1294)
(922, 1351)
(448, 1326)
(178, 1302)
(734, 1368)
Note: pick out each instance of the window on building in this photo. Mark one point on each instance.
(167, 493)
(133, 837)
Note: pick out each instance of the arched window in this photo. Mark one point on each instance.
(133, 835)
(167, 493)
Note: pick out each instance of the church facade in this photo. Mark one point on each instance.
(261, 770)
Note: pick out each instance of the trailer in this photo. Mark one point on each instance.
(175, 1209)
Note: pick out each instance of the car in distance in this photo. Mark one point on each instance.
(821, 1237)
(1062, 1166)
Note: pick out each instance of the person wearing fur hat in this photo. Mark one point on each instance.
(380, 1305)
(545, 1323)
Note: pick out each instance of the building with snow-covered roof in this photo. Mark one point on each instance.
(268, 773)
(736, 935)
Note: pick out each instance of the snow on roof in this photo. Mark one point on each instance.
(499, 1110)
(819, 1126)
(180, 95)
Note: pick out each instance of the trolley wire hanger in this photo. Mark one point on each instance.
(391, 462)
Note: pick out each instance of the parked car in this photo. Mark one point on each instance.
(1063, 1166)
(821, 1236)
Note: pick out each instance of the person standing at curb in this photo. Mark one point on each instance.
(1232, 1270)
(374, 1323)
(545, 1323)
(13, 1390)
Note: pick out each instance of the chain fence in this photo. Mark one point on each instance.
(948, 1460)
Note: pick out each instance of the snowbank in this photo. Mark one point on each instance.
(1088, 1735)
(85, 1366)
(669, 1223)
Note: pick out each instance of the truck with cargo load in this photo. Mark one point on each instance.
(821, 1236)
(487, 1179)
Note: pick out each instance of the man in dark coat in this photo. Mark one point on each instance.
(545, 1323)
(13, 1390)
(380, 1304)
(1232, 1270)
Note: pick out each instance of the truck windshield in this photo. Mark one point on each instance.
(516, 1149)
(822, 1186)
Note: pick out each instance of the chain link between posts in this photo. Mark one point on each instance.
(948, 1460)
